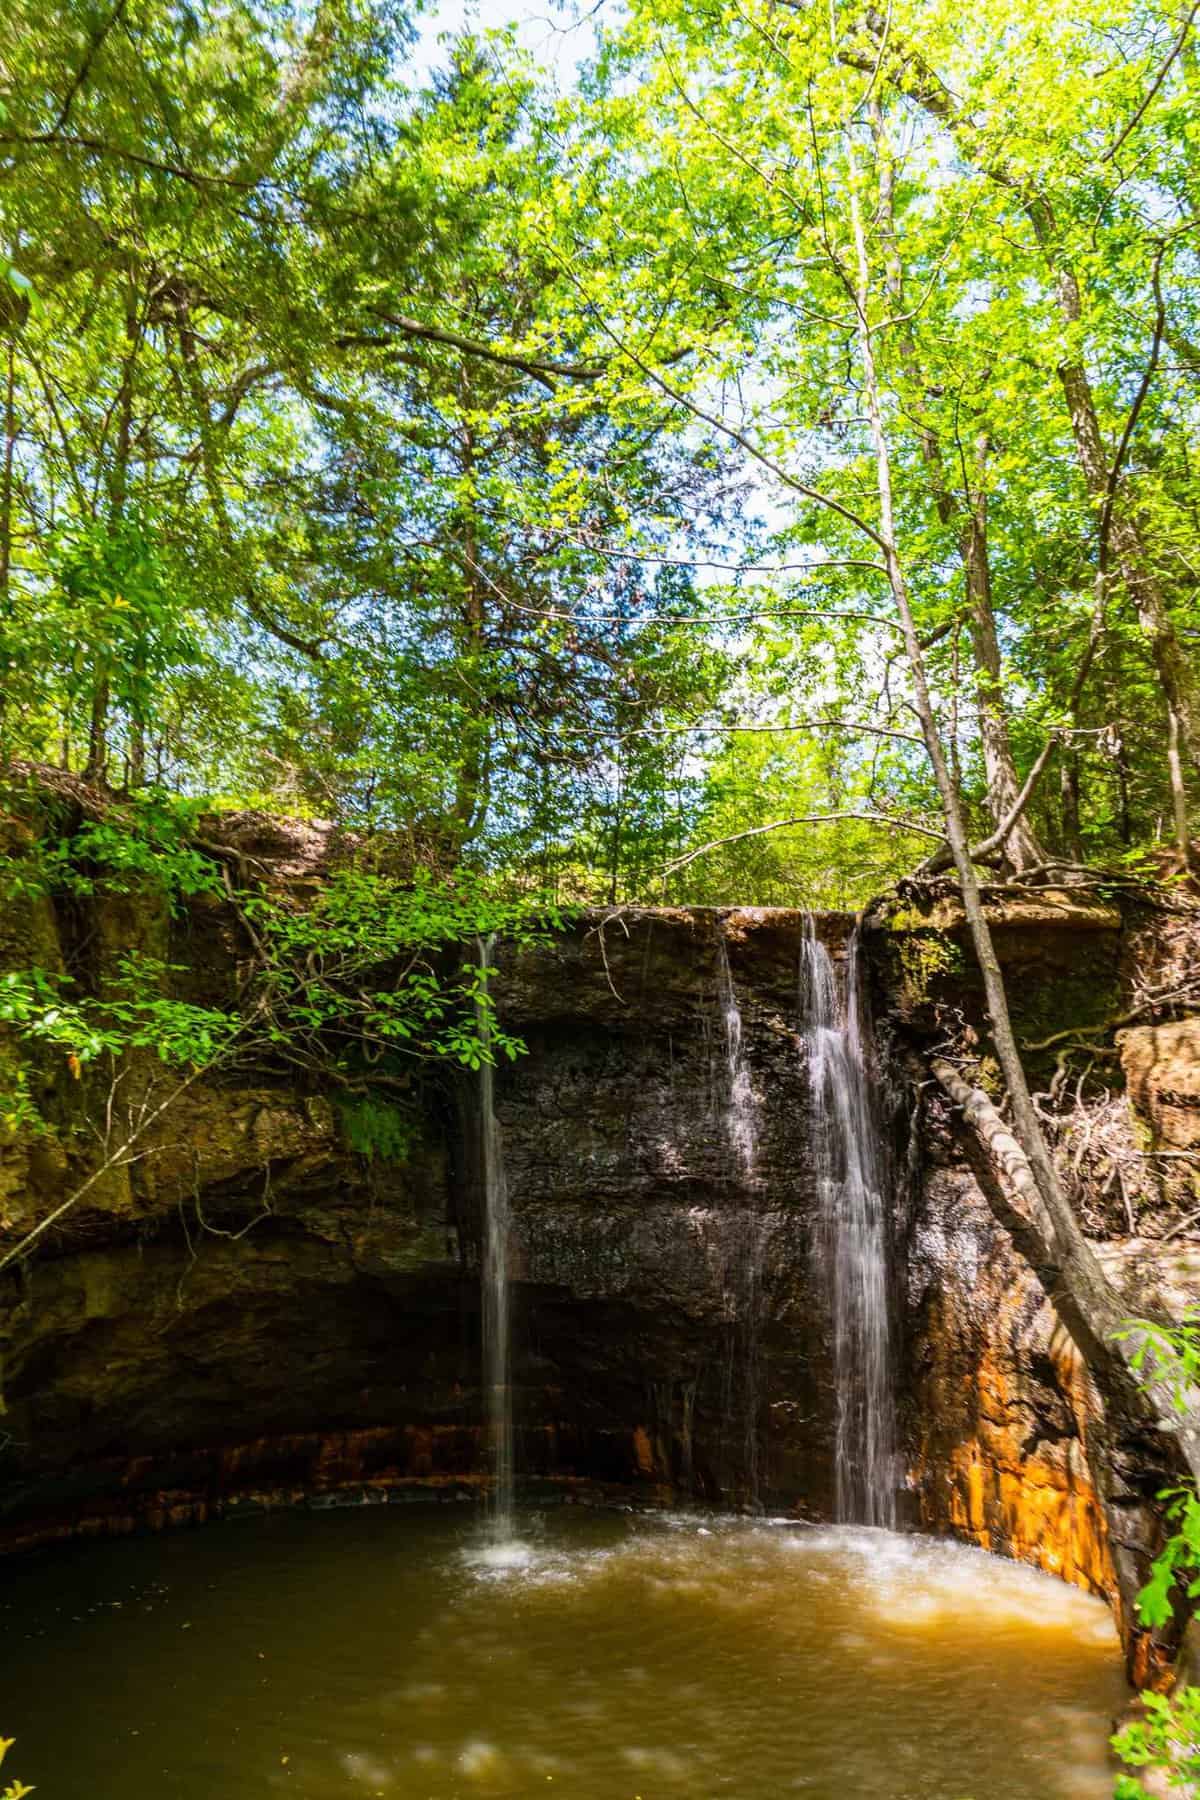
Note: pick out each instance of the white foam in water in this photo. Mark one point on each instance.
(924, 1582)
(368, 1771)
(907, 1580)
(480, 1761)
(510, 1554)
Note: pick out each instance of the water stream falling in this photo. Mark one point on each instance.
(853, 1213)
(744, 1272)
(497, 1326)
(741, 1123)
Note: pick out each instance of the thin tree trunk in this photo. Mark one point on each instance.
(1067, 1237)
(1072, 835)
(6, 490)
(969, 520)
(1141, 583)
(118, 488)
(918, 81)
(471, 773)
(1021, 848)
(137, 752)
(6, 514)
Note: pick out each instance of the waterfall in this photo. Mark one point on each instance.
(744, 1271)
(497, 1350)
(850, 1184)
(741, 1123)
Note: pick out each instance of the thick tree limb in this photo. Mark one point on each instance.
(990, 846)
(70, 140)
(1071, 1273)
(725, 727)
(1163, 72)
(95, 43)
(548, 372)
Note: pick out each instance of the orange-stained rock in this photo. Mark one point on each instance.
(1162, 1074)
(1002, 1440)
(1010, 1444)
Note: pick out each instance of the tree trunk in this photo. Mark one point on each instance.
(1021, 849)
(919, 83)
(1072, 835)
(97, 756)
(471, 774)
(118, 490)
(1133, 561)
(1080, 1294)
(6, 514)
(1023, 1154)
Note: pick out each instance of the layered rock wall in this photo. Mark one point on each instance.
(253, 1312)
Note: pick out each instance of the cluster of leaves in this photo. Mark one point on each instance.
(142, 844)
(370, 975)
(355, 983)
(15, 1790)
(135, 1013)
(1166, 1738)
(1167, 1353)
(376, 1129)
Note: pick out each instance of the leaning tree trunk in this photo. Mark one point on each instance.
(1073, 1269)
(1067, 1271)
(1022, 1156)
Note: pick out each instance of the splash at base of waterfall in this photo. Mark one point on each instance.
(679, 1657)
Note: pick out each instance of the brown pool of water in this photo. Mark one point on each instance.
(385, 1654)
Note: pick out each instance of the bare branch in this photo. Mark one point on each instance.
(1163, 72)
(870, 818)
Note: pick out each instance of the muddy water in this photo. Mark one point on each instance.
(382, 1653)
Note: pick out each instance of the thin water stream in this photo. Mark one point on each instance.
(740, 1109)
(497, 1322)
(745, 1231)
(854, 1250)
(371, 1653)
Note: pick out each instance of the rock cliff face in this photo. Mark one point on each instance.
(254, 1312)
(257, 1311)
(1009, 1442)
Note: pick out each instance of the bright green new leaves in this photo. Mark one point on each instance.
(133, 1014)
(1166, 1740)
(989, 157)
(345, 423)
(15, 1790)
(374, 969)
(1167, 1737)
